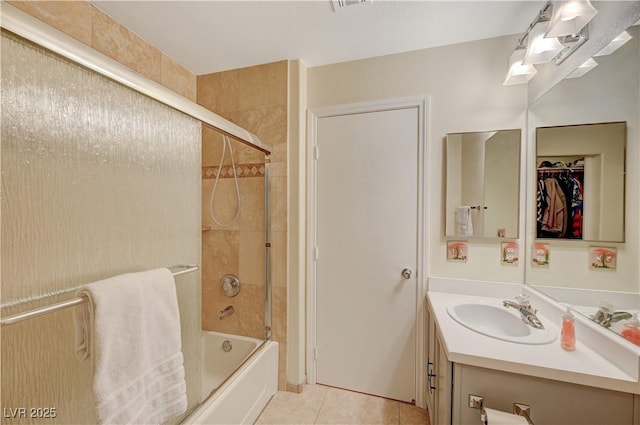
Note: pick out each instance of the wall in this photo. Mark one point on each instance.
(464, 85)
(608, 93)
(86, 23)
(255, 98)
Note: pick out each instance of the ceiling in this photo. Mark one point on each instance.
(212, 36)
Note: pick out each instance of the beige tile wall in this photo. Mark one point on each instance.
(256, 99)
(84, 22)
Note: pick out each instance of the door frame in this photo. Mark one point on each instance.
(313, 115)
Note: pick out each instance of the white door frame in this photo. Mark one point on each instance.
(421, 104)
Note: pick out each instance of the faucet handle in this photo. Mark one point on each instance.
(523, 300)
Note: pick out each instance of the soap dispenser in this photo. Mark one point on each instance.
(631, 331)
(568, 335)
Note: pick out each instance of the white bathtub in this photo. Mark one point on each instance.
(241, 398)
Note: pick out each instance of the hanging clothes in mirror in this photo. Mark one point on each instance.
(560, 198)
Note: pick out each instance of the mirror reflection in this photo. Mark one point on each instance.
(483, 170)
(580, 182)
(606, 96)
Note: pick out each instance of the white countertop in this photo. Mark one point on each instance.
(583, 366)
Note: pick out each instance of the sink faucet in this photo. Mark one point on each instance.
(227, 311)
(526, 311)
(607, 318)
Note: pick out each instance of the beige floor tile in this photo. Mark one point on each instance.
(412, 415)
(345, 407)
(292, 408)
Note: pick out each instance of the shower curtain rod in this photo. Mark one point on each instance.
(36, 31)
(20, 317)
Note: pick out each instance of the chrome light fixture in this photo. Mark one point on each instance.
(615, 44)
(518, 73)
(569, 17)
(583, 69)
(560, 28)
(541, 49)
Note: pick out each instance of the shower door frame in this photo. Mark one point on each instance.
(421, 103)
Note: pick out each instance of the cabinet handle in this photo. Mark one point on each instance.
(430, 376)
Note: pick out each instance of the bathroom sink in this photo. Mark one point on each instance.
(498, 322)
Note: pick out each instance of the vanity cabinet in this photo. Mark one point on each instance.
(552, 402)
(439, 375)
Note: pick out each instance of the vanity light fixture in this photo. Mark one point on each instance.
(569, 17)
(615, 44)
(583, 69)
(518, 73)
(541, 49)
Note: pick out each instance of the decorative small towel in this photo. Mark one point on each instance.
(464, 226)
(131, 329)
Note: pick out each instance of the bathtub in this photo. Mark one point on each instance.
(241, 398)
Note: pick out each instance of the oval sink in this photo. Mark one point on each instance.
(498, 322)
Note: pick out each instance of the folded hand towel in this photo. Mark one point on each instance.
(464, 226)
(131, 329)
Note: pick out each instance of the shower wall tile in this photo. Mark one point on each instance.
(279, 314)
(252, 257)
(74, 18)
(219, 91)
(212, 148)
(84, 22)
(279, 204)
(282, 366)
(248, 316)
(177, 77)
(256, 99)
(223, 247)
(118, 42)
(252, 214)
(279, 259)
(263, 86)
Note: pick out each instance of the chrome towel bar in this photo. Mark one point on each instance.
(30, 314)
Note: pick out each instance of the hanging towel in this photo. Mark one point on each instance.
(464, 226)
(131, 329)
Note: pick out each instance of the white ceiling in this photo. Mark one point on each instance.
(211, 36)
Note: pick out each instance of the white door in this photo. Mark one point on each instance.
(367, 233)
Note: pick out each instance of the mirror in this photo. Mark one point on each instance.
(580, 182)
(606, 98)
(483, 184)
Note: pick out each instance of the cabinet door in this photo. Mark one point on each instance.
(431, 371)
(443, 387)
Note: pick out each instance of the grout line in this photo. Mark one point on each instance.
(324, 398)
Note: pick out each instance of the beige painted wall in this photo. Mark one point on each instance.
(464, 85)
(607, 93)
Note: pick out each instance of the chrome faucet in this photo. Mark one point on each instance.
(227, 311)
(605, 315)
(526, 311)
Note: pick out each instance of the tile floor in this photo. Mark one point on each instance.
(319, 404)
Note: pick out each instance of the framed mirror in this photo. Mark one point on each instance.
(604, 101)
(580, 172)
(483, 184)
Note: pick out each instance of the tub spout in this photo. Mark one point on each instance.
(227, 311)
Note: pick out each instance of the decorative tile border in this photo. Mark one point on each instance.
(242, 170)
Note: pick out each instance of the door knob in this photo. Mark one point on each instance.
(406, 273)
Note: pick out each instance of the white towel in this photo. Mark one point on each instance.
(464, 226)
(131, 329)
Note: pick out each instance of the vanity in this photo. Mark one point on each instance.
(582, 138)
(595, 384)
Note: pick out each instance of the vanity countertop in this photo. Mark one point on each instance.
(583, 366)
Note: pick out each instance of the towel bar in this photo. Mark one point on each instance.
(30, 314)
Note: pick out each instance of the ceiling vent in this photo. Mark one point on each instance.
(342, 4)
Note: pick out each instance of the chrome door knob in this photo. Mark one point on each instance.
(406, 273)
